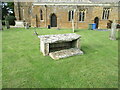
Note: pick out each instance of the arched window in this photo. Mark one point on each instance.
(82, 15)
(41, 15)
(70, 15)
(106, 12)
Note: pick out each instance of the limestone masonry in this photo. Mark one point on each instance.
(60, 45)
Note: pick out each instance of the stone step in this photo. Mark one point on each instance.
(65, 53)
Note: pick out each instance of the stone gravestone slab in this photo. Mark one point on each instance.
(7, 24)
(113, 31)
(60, 45)
(19, 24)
(26, 25)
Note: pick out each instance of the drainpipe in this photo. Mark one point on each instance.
(77, 17)
(19, 10)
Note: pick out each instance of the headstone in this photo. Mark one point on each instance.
(19, 24)
(113, 31)
(35, 32)
(26, 25)
(58, 29)
(7, 24)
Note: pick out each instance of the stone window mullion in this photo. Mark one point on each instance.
(106, 13)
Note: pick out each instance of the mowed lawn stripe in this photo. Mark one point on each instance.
(25, 66)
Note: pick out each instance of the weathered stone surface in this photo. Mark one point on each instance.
(65, 53)
(26, 25)
(19, 24)
(113, 31)
(60, 45)
(7, 24)
(59, 37)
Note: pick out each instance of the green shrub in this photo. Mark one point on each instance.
(3, 22)
(10, 19)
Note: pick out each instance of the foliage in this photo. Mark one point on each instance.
(24, 66)
(4, 11)
(7, 8)
(10, 19)
(3, 22)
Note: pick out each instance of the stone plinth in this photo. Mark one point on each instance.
(19, 24)
(60, 45)
(113, 31)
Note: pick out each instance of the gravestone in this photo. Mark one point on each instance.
(26, 25)
(60, 45)
(113, 31)
(19, 24)
(7, 24)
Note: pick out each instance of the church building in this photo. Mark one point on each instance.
(61, 13)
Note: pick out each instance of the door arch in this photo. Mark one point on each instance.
(53, 20)
(96, 21)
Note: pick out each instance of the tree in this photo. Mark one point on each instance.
(8, 13)
(4, 10)
(7, 9)
(11, 8)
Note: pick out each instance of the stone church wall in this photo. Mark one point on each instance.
(31, 14)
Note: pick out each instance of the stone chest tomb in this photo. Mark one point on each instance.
(60, 45)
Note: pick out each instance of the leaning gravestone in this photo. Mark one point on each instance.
(7, 24)
(113, 31)
(26, 25)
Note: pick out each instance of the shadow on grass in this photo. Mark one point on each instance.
(79, 30)
(118, 38)
(88, 49)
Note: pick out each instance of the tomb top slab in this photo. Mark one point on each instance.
(59, 37)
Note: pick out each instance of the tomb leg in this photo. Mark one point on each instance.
(44, 48)
(77, 44)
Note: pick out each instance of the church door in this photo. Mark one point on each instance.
(96, 20)
(53, 20)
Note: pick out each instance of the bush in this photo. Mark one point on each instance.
(10, 19)
(3, 22)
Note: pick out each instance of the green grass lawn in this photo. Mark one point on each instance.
(24, 66)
